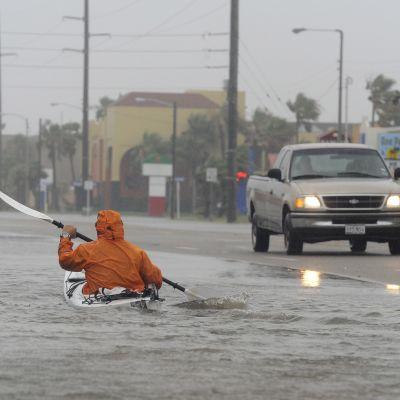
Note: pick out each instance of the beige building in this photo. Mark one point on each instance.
(113, 161)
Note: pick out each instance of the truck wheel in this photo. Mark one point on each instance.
(293, 243)
(259, 237)
(394, 247)
(358, 245)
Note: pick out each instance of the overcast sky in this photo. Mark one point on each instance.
(275, 64)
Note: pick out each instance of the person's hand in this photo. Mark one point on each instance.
(71, 230)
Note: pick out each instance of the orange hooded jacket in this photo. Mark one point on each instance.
(109, 261)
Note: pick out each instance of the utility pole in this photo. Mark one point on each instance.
(173, 183)
(85, 121)
(85, 103)
(232, 111)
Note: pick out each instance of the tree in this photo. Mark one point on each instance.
(70, 136)
(101, 111)
(305, 109)
(52, 139)
(195, 147)
(272, 132)
(380, 92)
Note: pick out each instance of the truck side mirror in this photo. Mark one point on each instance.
(397, 174)
(275, 173)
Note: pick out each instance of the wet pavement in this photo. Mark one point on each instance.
(279, 333)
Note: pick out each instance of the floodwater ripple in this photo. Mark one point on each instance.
(264, 336)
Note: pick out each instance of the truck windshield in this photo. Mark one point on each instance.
(337, 162)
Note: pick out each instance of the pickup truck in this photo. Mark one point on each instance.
(320, 192)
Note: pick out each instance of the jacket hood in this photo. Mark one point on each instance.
(109, 225)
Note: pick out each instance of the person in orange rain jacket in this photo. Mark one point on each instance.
(110, 261)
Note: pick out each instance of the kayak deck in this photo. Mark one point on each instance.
(74, 282)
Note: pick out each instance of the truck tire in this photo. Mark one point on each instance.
(358, 245)
(394, 247)
(293, 243)
(259, 237)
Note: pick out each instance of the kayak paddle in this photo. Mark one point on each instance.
(37, 214)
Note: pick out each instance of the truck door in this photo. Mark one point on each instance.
(277, 192)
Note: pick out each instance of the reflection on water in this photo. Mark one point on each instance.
(310, 278)
(392, 288)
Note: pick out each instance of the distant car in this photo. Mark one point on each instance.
(321, 192)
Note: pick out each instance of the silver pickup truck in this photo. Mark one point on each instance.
(321, 192)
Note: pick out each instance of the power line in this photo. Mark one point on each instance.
(310, 77)
(259, 82)
(278, 98)
(156, 51)
(253, 90)
(118, 10)
(331, 86)
(64, 67)
(118, 35)
(162, 23)
(200, 17)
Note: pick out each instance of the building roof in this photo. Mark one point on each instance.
(154, 99)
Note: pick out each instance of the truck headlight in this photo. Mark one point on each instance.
(308, 202)
(393, 201)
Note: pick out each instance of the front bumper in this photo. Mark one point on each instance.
(316, 227)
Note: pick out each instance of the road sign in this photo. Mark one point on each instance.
(212, 175)
(89, 185)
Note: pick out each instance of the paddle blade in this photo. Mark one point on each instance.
(24, 209)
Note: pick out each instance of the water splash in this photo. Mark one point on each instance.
(229, 302)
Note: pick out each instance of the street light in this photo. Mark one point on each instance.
(26, 190)
(340, 32)
(174, 106)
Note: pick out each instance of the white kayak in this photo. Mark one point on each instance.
(74, 282)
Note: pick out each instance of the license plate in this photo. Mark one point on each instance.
(354, 230)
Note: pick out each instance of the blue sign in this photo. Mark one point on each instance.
(389, 145)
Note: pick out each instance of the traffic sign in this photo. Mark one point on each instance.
(212, 175)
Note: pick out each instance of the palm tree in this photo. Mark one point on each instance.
(105, 102)
(52, 138)
(70, 135)
(379, 87)
(305, 110)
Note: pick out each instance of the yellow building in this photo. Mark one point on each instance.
(113, 138)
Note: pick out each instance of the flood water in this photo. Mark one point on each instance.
(300, 336)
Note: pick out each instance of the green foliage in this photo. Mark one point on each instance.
(305, 110)
(101, 111)
(15, 172)
(384, 99)
(198, 143)
(272, 132)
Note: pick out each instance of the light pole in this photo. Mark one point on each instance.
(348, 81)
(26, 189)
(174, 107)
(341, 35)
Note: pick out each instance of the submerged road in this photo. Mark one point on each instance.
(269, 333)
(228, 242)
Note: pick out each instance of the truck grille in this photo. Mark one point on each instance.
(353, 201)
